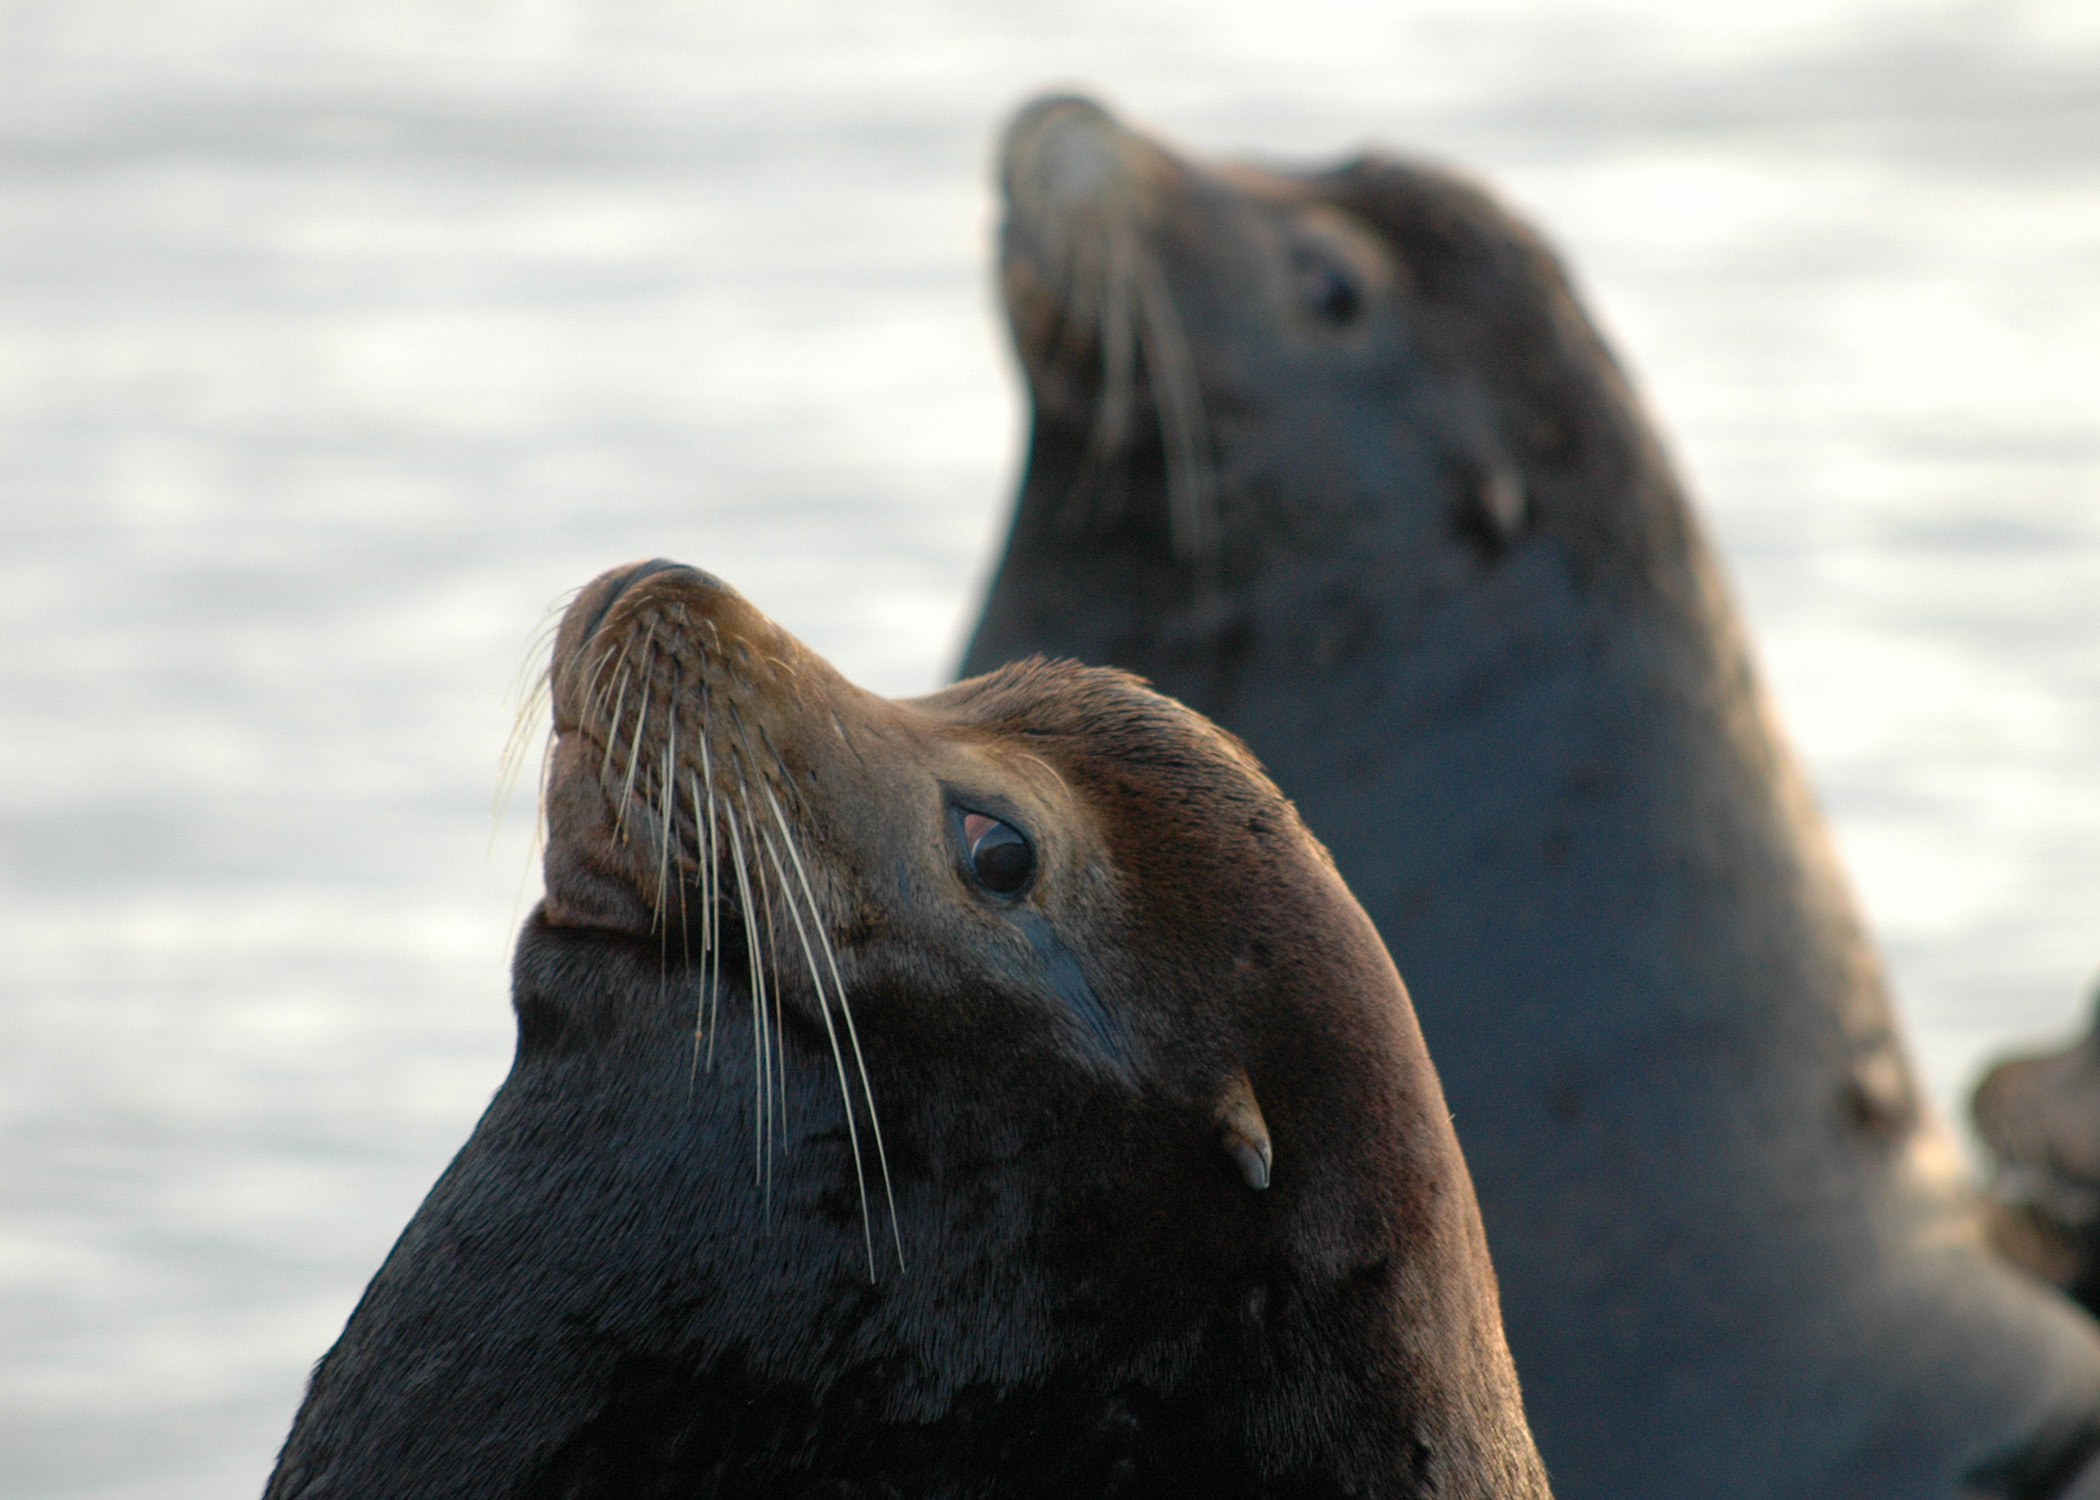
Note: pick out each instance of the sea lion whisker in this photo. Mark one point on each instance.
(761, 1113)
(612, 721)
(703, 874)
(537, 850)
(667, 783)
(512, 762)
(838, 1058)
(509, 770)
(667, 797)
(711, 929)
(539, 650)
(1115, 411)
(1082, 278)
(611, 667)
(783, 780)
(860, 1062)
(1184, 429)
(747, 764)
(1057, 774)
(634, 759)
(756, 832)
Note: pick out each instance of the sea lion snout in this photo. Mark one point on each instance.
(606, 589)
(683, 719)
(1062, 150)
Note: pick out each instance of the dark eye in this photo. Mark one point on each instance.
(998, 853)
(1324, 286)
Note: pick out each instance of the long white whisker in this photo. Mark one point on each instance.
(611, 669)
(838, 986)
(667, 786)
(758, 998)
(703, 875)
(838, 1058)
(513, 760)
(634, 759)
(714, 896)
(612, 724)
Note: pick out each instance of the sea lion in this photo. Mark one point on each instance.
(2039, 1118)
(1336, 458)
(989, 1094)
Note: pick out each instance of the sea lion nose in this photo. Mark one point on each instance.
(1059, 152)
(634, 576)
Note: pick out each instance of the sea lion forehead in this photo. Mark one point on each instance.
(1099, 715)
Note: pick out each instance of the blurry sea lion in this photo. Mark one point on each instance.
(2039, 1118)
(990, 1094)
(1336, 458)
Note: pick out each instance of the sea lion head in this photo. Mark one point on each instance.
(1108, 1055)
(1246, 381)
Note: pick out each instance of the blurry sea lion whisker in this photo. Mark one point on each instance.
(1184, 429)
(1118, 302)
(1115, 413)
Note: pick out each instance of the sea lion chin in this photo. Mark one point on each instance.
(1336, 458)
(995, 1093)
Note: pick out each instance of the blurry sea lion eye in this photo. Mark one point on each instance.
(1000, 856)
(1324, 287)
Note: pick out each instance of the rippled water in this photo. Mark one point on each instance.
(334, 349)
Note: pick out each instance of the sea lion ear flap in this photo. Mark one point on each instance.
(1243, 1132)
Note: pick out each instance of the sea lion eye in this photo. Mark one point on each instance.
(1324, 286)
(1000, 856)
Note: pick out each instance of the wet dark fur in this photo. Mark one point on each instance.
(1735, 1254)
(601, 1299)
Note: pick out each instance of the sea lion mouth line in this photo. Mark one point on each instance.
(701, 795)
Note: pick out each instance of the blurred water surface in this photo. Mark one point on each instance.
(336, 344)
